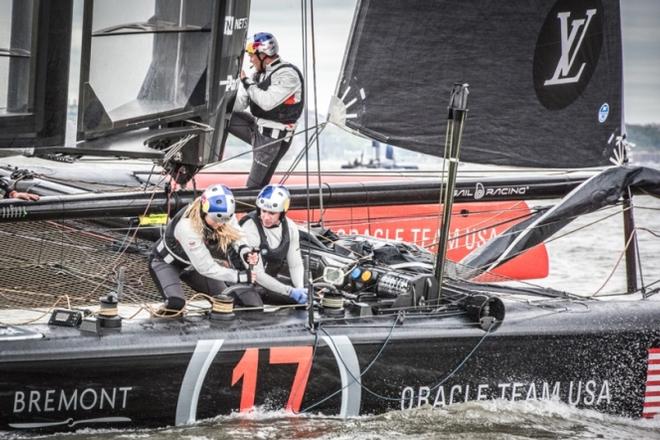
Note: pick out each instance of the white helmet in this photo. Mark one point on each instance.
(263, 42)
(218, 202)
(274, 198)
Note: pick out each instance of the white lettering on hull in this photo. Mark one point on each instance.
(467, 238)
(59, 400)
(582, 393)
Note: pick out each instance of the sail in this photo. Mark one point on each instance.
(545, 78)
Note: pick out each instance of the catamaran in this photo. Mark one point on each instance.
(393, 325)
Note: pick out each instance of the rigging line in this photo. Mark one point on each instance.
(621, 255)
(117, 186)
(469, 355)
(42, 314)
(513, 255)
(42, 240)
(177, 146)
(363, 221)
(307, 271)
(112, 266)
(485, 228)
(650, 231)
(496, 213)
(151, 172)
(648, 208)
(250, 151)
(547, 294)
(382, 348)
(638, 290)
(316, 113)
(587, 225)
(299, 156)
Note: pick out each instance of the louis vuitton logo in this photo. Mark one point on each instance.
(569, 47)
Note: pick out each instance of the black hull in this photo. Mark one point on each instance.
(173, 372)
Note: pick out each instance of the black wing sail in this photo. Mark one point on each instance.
(545, 77)
(121, 78)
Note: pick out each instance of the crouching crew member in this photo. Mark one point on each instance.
(267, 228)
(205, 230)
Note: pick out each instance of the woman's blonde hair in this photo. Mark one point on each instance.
(225, 234)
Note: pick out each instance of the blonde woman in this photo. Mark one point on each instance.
(194, 239)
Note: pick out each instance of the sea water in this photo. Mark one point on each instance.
(580, 262)
(495, 419)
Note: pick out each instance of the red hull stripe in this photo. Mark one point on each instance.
(654, 405)
(652, 393)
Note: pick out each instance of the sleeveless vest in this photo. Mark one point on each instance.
(273, 258)
(285, 113)
(173, 248)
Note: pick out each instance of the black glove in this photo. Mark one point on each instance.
(247, 83)
(246, 254)
(244, 276)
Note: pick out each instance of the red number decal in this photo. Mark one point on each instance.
(294, 355)
(247, 369)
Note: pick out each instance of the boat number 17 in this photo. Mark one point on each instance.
(247, 367)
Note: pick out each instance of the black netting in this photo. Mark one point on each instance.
(47, 263)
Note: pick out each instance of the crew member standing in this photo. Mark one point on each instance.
(275, 98)
(278, 240)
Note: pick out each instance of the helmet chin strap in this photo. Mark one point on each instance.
(261, 62)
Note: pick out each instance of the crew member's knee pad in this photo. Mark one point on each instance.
(175, 303)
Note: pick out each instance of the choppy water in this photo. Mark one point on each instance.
(473, 420)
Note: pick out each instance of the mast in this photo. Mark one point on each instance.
(457, 114)
(630, 241)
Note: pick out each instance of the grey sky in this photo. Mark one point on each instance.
(641, 57)
(641, 40)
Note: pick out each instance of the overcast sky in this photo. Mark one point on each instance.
(641, 40)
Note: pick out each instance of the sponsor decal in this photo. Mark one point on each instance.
(59, 400)
(233, 24)
(48, 402)
(459, 238)
(567, 51)
(230, 83)
(603, 112)
(480, 191)
(583, 393)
